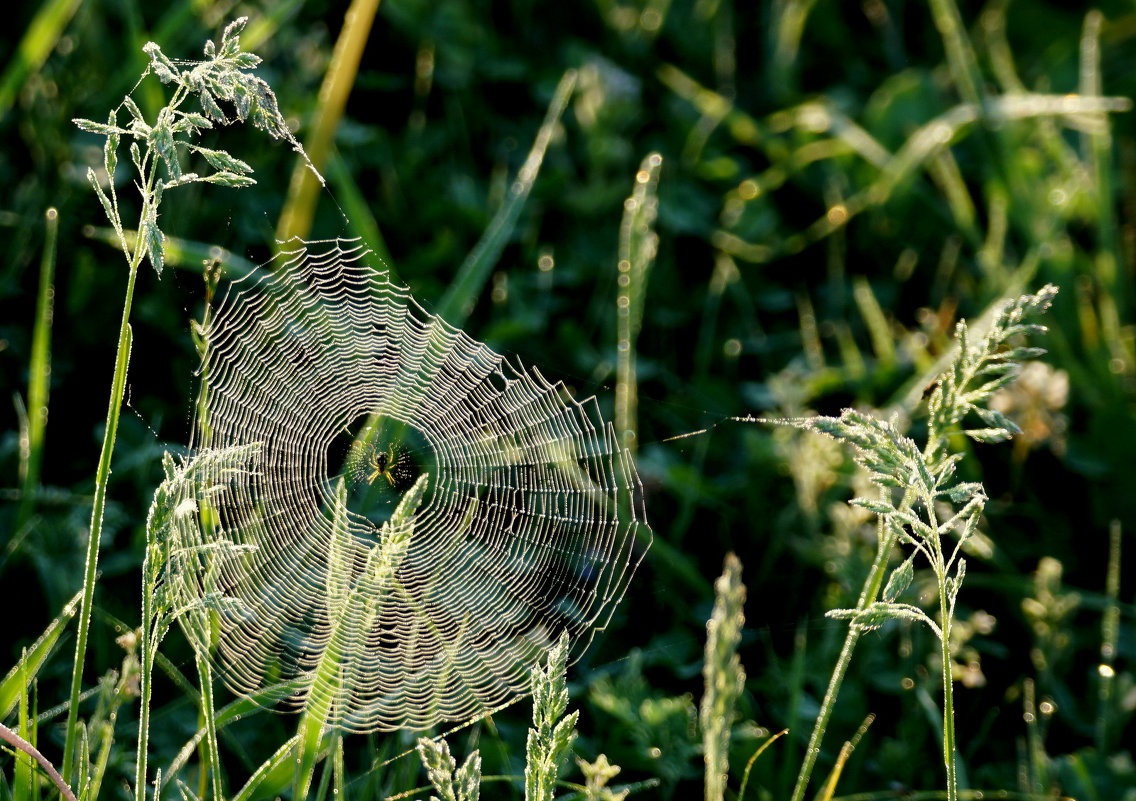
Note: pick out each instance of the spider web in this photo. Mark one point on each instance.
(521, 523)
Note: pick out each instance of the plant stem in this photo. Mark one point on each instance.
(19, 743)
(39, 378)
(102, 476)
(948, 693)
(872, 585)
(146, 667)
(212, 755)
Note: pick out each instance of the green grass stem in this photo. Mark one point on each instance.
(98, 507)
(149, 649)
(785, 35)
(723, 676)
(868, 595)
(950, 756)
(1110, 637)
(34, 657)
(39, 375)
(638, 244)
(1097, 147)
(960, 55)
(209, 752)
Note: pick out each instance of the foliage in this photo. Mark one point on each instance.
(552, 732)
(819, 231)
(452, 783)
(724, 676)
(919, 500)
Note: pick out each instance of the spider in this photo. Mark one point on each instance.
(393, 464)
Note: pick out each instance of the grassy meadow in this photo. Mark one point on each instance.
(703, 213)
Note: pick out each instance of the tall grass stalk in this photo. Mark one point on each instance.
(461, 295)
(156, 154)
(960, 55)
(552, 731)
(39, 375)
(94, 534)
(724, 676)
(210, 753)
(638, 244)
(914, 484)
(1110, 637)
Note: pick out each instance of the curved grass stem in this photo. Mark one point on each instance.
(102, 477)
(871, 590)
(948, 693)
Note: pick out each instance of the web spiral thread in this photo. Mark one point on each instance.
(528, 524)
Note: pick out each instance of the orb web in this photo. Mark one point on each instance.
(338, 392)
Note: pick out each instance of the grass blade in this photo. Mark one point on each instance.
(464, 290)
(638, 244)
(34, 658)
(272, 776)
(39, 375)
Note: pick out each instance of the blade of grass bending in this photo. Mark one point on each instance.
(459, 300)
(39, 374)
(34, 658)
(102, 477)
(464, 290)
(749, 765)
(875, 320)
(785, 43)
(37, 44)
(303, 192)
(846, 750)
(638, 245)
(933, 136)
(275, 768)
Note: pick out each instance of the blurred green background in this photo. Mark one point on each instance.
(841, 182)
